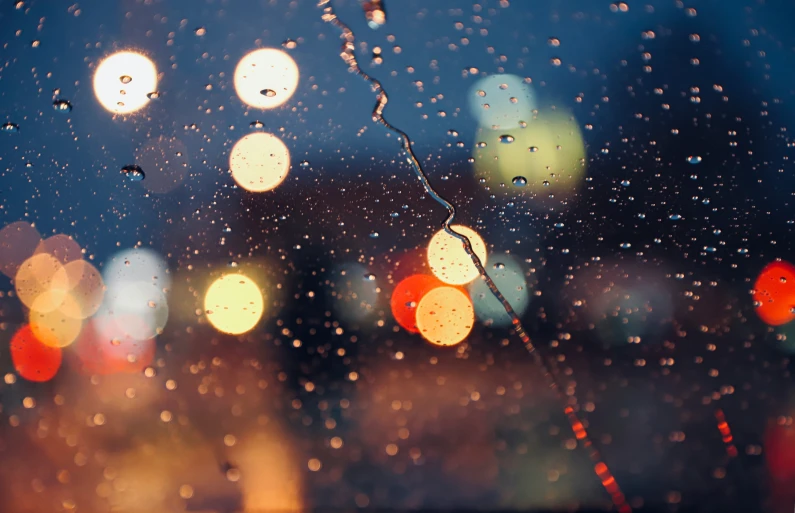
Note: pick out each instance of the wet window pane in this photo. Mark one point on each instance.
(396, 255)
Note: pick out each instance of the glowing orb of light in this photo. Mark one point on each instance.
(63, 248)
(86, 287)
(123, 80)
(266, 78)
(18, 241)
(507, 273)
(546, 158)
(100, 354)
(501, 101)
(353, 292)
(32, 359)
(233, 304)
(40, 276)
(449, 260)
(774, 293)
(406, 297)
(138, 300)
(259, 162)
(445, 316)
(54, 327)
(137, 265)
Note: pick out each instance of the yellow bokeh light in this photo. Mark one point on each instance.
(86, 288)
(449, 260)
(54, 327)
(266, 78)
(259, 162)
(545, 160)
(123, 81)
(233, 304)
(445, 316)
(40, 274)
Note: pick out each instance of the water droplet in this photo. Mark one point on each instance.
(125, 79)
(674, 217)
(133, 173)
(115, 342)
(154, 95)
(35, 43)
(481, 144)
(625, 183)
(742, 251)
(452, 133)
(374, 235)
(506, 139)
(9, 127)
(257, 124)
(553, 41)
(369, 277)
(499, 265)
(532, 149)
(200, 31)
(626, 245)
(545, 183)
(519, 181)
(394, 214)
(62, 106)
(481, 93)
(304, 163)
(270, 93)
(523, 124)
(694, 159)
(289, 44)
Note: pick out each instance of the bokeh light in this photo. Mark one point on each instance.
(406, 297)
(266, 78)
(98, 354)
(501, 101)
(18, 241)
(32, 359)
(40, 274)
(445, 316)
(353, 292)
(448, 259)
(233, 304)
(123, 81)
(507, 273)
(259, 162)
(62, 247)
(86, 288)
(774, 293)
(53, 327)
(545, 160)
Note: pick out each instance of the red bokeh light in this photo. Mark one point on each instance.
(407, 295)
(774, 292)
(33, 360)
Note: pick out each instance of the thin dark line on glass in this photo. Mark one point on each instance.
(348, 55)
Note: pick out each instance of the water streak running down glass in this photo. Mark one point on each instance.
(348, 55)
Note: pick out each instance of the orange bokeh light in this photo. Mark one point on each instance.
(406, 297)
(32, 359)
(774, 292)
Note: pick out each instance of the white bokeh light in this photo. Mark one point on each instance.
(123, 81)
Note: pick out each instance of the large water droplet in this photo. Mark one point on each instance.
(374, 235)
(694, 159)
(289, 44)
(200, 31)
(133, 173)
(532, 149)
(506, 139)
(62, 106)
(154, 95)
(270, 93)
(625, 183)
(125, 79)
(519, 181)
(257, 124)
(9, 127)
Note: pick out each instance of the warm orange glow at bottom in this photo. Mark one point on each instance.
(445, 316)
(32, 359)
